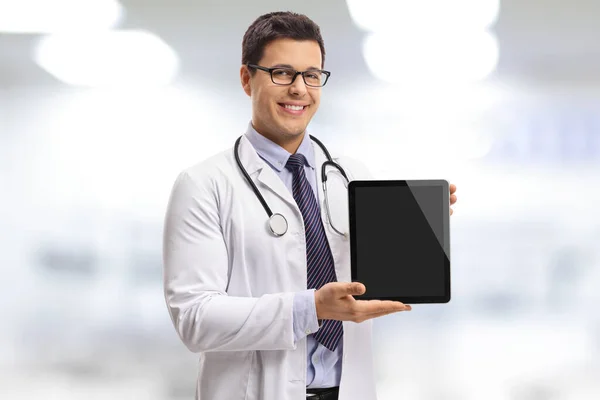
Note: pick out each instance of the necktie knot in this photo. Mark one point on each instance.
(295, 162)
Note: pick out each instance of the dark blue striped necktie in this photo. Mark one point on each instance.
(318, 254)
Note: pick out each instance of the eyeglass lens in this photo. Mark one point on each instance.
(284, 76)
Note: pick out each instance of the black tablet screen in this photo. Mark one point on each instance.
(400, 240)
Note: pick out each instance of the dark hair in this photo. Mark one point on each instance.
(278, 25)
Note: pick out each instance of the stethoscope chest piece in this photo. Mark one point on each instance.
(278, 224)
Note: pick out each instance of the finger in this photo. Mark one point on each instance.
(453, 199)
(387, 313)
(378, 306)
(354, 289)
(400, 307)
(451, 211)
(452, 188)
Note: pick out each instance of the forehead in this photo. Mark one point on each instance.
(300, 54)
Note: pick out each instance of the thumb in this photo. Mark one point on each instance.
(355, 288)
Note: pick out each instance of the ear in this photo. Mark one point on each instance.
(245, 80)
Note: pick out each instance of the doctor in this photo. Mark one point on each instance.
(256, 273)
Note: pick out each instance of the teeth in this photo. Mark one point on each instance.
(295, 108)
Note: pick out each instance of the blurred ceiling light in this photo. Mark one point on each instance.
(108, 59)
(430, 59)
(52, 16)
(408, 15)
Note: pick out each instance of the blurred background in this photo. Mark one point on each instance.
(102, 103)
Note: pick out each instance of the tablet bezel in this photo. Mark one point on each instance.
(446, 236)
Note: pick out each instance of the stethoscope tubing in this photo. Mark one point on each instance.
(276, 219)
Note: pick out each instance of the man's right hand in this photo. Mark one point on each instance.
(334, 301)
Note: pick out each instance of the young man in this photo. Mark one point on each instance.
(267, 302)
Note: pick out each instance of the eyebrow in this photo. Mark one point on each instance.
(290, 67)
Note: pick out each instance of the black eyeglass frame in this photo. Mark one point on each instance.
(296, 73)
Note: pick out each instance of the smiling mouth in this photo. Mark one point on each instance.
(292, 107)
(293, 110)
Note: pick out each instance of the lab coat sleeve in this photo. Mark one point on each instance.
(195, 261)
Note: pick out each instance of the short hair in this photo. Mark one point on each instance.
(278, 25)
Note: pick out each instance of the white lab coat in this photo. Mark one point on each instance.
(229, 283)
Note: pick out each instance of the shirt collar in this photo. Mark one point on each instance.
(275, 155)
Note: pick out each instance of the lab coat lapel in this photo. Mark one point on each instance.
(266, 177)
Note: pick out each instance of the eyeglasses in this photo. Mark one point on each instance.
(287, 76)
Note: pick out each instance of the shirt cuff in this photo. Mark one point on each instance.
(304, 314)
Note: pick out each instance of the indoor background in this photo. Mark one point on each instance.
(102, 103)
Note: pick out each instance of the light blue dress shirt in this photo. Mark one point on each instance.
(324, 367)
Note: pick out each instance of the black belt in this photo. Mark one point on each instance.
(322, 394)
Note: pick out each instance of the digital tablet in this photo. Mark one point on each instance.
(400, 239)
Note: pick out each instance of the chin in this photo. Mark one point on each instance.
(295, 132)
(293, 129)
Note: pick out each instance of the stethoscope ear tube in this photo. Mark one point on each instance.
(328, 162)
(335, 165)
(254, 188)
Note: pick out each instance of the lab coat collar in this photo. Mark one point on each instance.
(267, 178)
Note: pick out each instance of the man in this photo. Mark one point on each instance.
(270, 313)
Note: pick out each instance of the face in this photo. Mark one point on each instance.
(272, 115)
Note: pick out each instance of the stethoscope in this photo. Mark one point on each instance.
(277, 222)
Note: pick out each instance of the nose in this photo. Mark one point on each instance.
(298, 87)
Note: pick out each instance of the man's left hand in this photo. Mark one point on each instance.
(453, 197)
